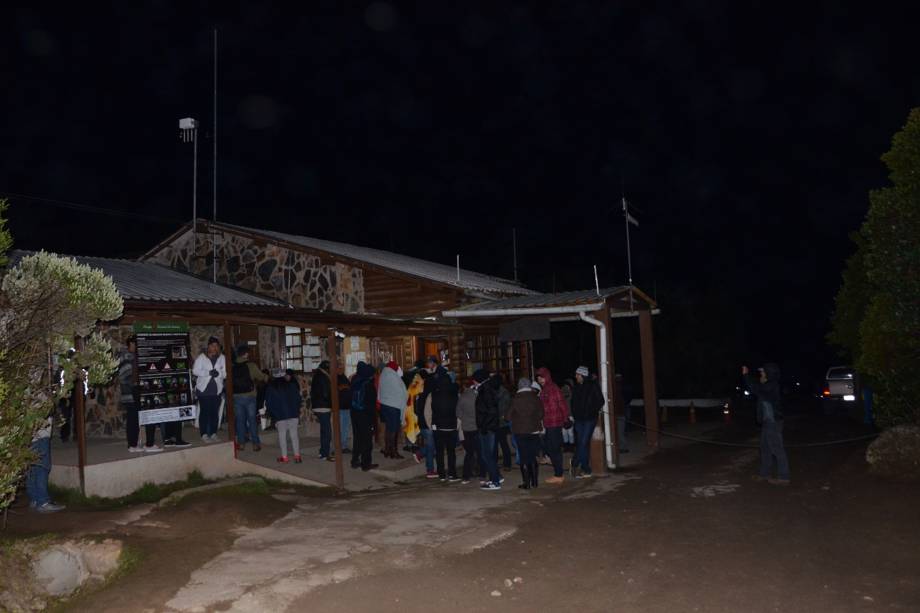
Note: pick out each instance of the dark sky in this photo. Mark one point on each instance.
(747, 136)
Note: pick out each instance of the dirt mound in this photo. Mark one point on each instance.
(896, 453)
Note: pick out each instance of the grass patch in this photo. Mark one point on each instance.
(147, 493)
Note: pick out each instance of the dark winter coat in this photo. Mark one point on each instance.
(283, 399)
(321, 390)
(364, 380)
(488, 416)
(587, 400)
(767, 392)
(444, 398)
(525, 412)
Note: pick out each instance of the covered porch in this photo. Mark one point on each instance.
(524, 319)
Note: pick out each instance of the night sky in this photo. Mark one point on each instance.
(747, 138)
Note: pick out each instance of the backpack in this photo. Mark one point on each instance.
(242, 380)
(357, 397)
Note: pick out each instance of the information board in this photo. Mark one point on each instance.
(163, 371)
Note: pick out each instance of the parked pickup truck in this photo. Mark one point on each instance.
(840, 385)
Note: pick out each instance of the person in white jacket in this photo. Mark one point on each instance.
(210, 371)
(392, 394)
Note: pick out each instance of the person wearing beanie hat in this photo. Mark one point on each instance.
(392, 394)
(587, 401)
(526, 416)
(488, 421)
(480, 375)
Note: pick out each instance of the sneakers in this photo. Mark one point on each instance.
(442, 479)
(283, 459)
(370, 467)
(206, 439)
(298, 459)
(465, 482)
(555, 480)
(453, 479)
(135, 449)
(490, 487)
(49, 507)
(181, 443)
(431, 475)
(418, 457)
(214, 438)
(169, 443)
(778, 481)
(152, 449)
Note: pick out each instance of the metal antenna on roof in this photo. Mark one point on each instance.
(188, 132)
(514, 252)
(214, 218)
(597, 285)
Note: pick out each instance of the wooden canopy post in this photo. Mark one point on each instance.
(79, 418)
(650, 394)
(228, 386)
(336, 418)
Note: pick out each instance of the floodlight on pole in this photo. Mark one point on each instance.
(188, 133)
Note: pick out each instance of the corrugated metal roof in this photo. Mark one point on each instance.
(433, 271)
(533, 301)
(146, 281)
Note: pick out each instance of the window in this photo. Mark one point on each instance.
(302, 352)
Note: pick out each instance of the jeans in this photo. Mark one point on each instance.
(325, 432)
(363, 444)
(133, 426)
(471, 457)
(445, 440)
(427, 449)
(487, 456)
(501, 438)
(771, 446)
(583, 430)
(553, 442)
(528, 444)
(37, 477)
(344, 426)
(391, 417)
(207, 419)
(288, 428)
(246, 420)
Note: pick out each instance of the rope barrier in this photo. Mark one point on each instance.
(752, 445)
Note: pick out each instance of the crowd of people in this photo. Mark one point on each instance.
(435, 415)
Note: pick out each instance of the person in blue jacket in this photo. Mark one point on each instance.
(283, 399)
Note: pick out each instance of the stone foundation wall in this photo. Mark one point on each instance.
(265, 268)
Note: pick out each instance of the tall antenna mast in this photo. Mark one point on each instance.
(188, 133)
(514, 248)
(629, 220)
(214, 217)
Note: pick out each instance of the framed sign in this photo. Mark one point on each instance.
(164, 372)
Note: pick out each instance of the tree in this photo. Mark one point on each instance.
(881, 288)
(45, 302)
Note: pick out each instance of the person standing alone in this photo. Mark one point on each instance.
(770, 415)
(587, 400)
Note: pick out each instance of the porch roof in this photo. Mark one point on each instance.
(622, 298)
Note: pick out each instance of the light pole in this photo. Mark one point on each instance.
(188, 132)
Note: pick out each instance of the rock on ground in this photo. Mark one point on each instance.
(896, 453)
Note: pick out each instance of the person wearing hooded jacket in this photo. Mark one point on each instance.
(526, 416)
(555, 417)
(488, 421)
(466, 409)
(587, 400)
(392, 394)
(770, 416)
(283, 399)
(363, 405)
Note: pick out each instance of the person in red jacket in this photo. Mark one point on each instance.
(555, 418)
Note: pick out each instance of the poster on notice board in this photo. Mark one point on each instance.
(163, 371)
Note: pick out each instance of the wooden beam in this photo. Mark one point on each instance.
(228, 385)
(332, 352)
(650, 393)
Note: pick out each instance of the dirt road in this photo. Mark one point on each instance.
(687, 531)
